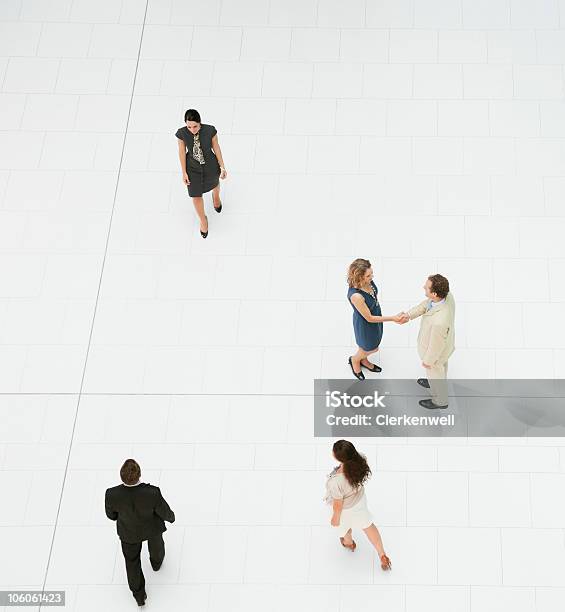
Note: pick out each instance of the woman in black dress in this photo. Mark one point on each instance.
(201, 163)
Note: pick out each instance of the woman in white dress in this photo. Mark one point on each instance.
(346, 493)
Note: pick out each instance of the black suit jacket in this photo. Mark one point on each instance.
(140, 512)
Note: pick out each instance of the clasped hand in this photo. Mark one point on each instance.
(401, 318)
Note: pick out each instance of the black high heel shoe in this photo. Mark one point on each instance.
(358, 375)
(204, 234)
(219, 209)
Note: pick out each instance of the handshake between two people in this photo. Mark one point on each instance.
(401, 318)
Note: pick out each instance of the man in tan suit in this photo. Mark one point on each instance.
(436, 339)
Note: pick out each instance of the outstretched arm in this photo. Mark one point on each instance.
(412, 313)
(417, 311)
(361, 306)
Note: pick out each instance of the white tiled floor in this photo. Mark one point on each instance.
(426, 135)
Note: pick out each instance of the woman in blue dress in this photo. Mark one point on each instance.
(367, 316)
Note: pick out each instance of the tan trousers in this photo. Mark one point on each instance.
(437, 376)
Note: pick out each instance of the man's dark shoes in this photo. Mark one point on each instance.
(423, 382)
(141, 600)
(427, 403)
(156, 566)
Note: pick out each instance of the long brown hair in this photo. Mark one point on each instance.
(355, 466)
(357, 271)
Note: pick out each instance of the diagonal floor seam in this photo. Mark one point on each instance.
(80, 393)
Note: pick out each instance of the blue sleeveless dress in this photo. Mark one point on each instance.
(368, 336)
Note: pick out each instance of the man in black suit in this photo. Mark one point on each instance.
(140, 512)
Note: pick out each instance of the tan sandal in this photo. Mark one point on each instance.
(385, 563)
(351, 546)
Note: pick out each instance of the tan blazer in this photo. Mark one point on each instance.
(436, 340)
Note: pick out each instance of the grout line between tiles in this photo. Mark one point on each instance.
(51, 546)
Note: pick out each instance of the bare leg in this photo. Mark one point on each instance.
(365, 361)
(358, 358)
(375, 538)
(216, 196)
(199, 208)
(347, 538)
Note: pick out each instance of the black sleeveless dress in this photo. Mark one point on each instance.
(202, 165)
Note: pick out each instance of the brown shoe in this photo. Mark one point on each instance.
(385, 563)
(351, 546)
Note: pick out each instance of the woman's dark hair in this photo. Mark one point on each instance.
(355, 467)
(130, 472)
(192, 115)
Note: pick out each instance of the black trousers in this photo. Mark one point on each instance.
(132, 555)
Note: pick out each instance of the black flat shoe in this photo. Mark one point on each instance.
(219, 209)
(358, 375)
(375, 367)
(428, 403)
(204, 234)
(423, 382)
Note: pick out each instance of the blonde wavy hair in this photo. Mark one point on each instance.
(357, 271)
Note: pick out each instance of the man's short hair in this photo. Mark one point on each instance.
(439, 285)
(130, 473)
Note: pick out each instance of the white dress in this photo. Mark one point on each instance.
(355, 514)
